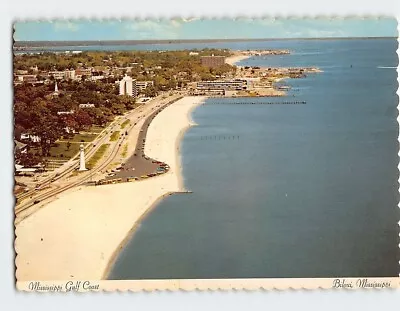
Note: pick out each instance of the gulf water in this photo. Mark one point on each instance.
(286, 190)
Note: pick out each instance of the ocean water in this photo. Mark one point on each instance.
(286, 190)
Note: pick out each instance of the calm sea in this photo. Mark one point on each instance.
(286, 190)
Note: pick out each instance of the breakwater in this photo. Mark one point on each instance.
(257, 103)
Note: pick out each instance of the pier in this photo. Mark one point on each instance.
(258, 103)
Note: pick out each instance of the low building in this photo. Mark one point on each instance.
(30, 137)
(142, 85)
(69, 74)
(221, 85)
(21, 147)
(21, 72)
(60, 113)
(83, 72)
(27, 78)
(58, 75)
(86, 105)
(212, 61)
(25, 171)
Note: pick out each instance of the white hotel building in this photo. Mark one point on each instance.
(127, 86)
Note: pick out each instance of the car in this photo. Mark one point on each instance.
(36, 201)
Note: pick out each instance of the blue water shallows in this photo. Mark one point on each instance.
(286, 190)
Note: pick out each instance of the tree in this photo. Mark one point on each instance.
(27, 159)
(82, 119)
(150, 91)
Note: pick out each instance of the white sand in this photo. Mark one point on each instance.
(77, 235)
(232, 60)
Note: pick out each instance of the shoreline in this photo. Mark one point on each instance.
(181, 188)
(97, 222)
(236, 58)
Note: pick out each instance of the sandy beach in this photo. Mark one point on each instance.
(80, 233)
(234, 59)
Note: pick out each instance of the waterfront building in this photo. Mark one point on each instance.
(142, 85)
(221, 85)
(127, 86)
(212, 61)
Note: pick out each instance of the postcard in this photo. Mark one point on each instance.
(188, 153)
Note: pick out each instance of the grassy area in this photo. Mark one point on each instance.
(81, 137)
(61, 151)
(95, 129)
(125, 124)
(114, 136)
(124, 150)
(97, 156)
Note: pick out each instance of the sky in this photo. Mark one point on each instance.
(195, 28)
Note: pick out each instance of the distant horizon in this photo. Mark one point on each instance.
(40, 43)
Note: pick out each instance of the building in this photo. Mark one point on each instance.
(127, 86)
(86, 105)
(96, 78)
(221, 85)
(60, 113)
(22, 72)
(27, 78)
(69, 74)
(83, 72)
(193, 53)
(20, 147)
(142, 85)
(29, 137)
(212, 61)
(58, 75)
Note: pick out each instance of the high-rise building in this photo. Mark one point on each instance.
(212, 61)
(127, 86)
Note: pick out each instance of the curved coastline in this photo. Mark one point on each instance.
(181, 187)
(80, 235)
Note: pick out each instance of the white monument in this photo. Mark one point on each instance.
(82, 166)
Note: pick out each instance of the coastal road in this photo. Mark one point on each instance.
(28, 207)
(139, 164)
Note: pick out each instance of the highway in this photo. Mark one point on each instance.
(27, 206)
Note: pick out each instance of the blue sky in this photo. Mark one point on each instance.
(195, 28)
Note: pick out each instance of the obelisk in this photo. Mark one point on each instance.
(82, 166)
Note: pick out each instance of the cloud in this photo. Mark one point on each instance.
(62, 26)
(190, 19)
(154, 29)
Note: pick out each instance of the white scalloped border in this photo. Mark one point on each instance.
(219, 284)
